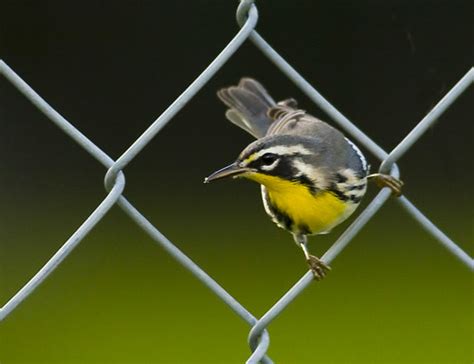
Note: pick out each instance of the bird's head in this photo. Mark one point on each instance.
(276, 159)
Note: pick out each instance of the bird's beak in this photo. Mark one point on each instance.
(232, 170)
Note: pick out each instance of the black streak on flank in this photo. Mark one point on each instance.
(283, 219)
(340, 195)
(340, 178)
(304, 229)
(357, 187)
(355, 199)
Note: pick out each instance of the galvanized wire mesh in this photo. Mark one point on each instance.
(259, 339)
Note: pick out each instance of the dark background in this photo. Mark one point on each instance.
(111, 68)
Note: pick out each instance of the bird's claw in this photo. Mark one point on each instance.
(386, 180)
(318, 267)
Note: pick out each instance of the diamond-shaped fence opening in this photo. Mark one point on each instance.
(259, 340)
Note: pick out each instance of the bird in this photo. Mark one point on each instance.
(312, 177)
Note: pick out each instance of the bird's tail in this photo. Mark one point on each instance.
(248, 104)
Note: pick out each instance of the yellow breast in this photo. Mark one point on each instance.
(318, 213)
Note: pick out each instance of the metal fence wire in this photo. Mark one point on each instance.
(259, 338)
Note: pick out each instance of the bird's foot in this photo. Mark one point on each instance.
(386, 180)
(318, 267)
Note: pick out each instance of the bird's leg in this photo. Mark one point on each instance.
(316, 265)
(386, 180)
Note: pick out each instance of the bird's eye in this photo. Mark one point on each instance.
(268, 158)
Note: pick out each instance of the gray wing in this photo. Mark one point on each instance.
(294, 121)
(332, 147)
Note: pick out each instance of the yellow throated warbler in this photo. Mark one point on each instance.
(312, 177)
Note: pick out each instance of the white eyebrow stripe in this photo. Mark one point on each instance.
(284, 150)
(359, 154)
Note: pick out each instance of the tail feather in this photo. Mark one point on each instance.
(248, 106)
(256, 88)
(235, 118)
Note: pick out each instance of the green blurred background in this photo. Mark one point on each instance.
(394, 295)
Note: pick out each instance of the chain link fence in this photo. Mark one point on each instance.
(259, 339)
